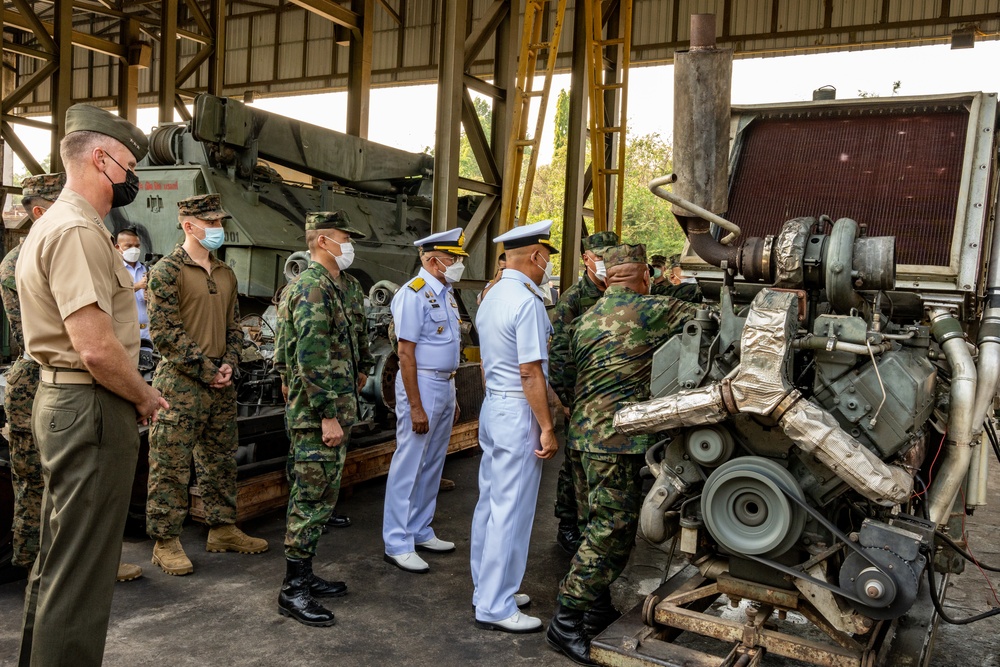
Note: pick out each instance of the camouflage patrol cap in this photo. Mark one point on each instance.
(203, 207)
(44, 186)
(87, 118)
(624, 254)
(675, 260)
(599, 240)
(658, 260)
(332, 220)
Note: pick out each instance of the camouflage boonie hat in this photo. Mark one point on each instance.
(600, 240)
(658, 260)
(332, 220)
(203, 207)
(87, 118)
(624, 254)
(44, 186)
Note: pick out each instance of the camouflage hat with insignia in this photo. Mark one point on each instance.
(44, 186)
(600, 240)
(624, 254)
(332, 220)
(203, 207)
(87, 118)
(658, 260)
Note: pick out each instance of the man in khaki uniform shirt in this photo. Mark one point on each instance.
(194, 322)
(80, 325)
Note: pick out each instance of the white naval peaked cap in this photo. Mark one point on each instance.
(451, 241)
(535, 233)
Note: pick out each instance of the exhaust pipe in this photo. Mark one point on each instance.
(946, 483)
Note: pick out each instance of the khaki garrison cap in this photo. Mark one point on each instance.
(332, 220)
(87, 118)
(203, 207)
(624, 254)
(45, 186)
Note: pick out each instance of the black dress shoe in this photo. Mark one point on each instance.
(566, 635)
(568, 536)
(338, 521)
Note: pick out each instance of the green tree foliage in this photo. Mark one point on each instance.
(645, 218)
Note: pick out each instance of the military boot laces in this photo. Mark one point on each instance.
(231, 538)
(169, 555)
(295, 599)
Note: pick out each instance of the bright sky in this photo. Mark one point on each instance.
(920, 70)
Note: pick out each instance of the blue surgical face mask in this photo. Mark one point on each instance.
(214, 237)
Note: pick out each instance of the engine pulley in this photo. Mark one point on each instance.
(746, 511)
(709, 446)
(888, 590)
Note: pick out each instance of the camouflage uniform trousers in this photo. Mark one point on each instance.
(200, 424)
(25, 463)
(313, 489)
(566, 506)
(610, 491)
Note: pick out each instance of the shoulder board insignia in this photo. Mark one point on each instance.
(533, 290)
(417, 284)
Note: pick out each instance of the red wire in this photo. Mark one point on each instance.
(930, 471)
(968, 547)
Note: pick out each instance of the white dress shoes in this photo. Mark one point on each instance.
(522, 599)
(435, 545)
(518, 623)
(409, 562)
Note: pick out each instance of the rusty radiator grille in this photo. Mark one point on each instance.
(900, 175)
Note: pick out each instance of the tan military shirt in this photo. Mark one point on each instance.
(68, 262)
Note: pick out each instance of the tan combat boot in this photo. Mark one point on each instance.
(231, 538)
(128, 572)
(170, 556)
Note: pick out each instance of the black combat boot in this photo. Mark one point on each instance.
(601, 614)
(568, 535)
(566, 635)
(321, 588)
(296, 601)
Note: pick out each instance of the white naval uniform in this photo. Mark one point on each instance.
(424, 312)
(513, 329)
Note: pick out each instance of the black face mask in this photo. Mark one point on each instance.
(123, 194)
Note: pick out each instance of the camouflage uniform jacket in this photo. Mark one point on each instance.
(689, 292)
(577, 300)
(166, 325)
(8, 290)
(320, 348)
(613, 347)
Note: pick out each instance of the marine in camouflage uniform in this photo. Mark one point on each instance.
(194, 323)
(685, 291)
(575, 301)
(22, 381)
(322, 355)
(613, 345)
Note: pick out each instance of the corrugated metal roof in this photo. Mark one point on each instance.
(274, 47)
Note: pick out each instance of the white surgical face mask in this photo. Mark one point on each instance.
(547, 275)
(131, 255)
(600, 271)
(346, 257)
(454, 272)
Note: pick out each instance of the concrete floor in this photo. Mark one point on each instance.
(225, 613)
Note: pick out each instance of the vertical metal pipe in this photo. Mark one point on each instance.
(702, 92)
(946, 482)
(576, 139)
(444, 205)
(168, 60)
